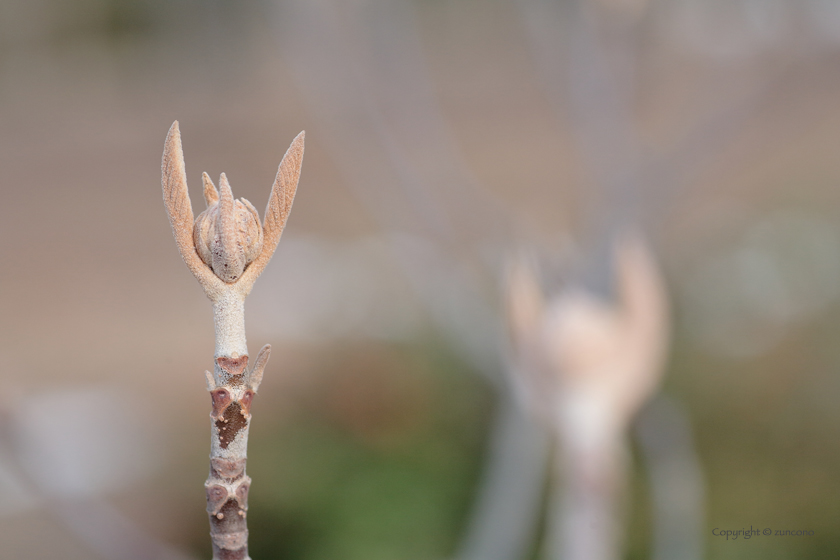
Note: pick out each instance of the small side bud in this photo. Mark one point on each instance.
(241, 492)
(228, 235)
(256, 375)
(211, 382)
(217, 495)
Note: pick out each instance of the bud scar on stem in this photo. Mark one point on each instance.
(227, 248)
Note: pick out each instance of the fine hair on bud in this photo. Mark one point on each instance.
(228, 235)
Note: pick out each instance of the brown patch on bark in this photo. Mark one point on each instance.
(230, 424)
(221, 399)
(233, 366)
(227, 468)
(245, 402)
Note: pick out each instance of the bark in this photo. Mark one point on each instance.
(232, 388)
(590, 483)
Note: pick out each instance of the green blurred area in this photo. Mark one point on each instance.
(767, 432)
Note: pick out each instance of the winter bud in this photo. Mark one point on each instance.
(228, 235)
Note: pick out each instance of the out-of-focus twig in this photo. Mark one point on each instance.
(504, 519)
(362, 70)
(586, 368)
(676, 480)
(420, 227)
(590, 80)
(103, 529)
(587, 68)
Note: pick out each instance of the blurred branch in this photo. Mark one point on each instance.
(676, 480)
(364, 75)
(97, 525)
(388, 50)
(704, 145)
(590, 81)
(345, 95)
(600, 105)
(504, 519)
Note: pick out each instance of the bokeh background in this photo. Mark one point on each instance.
(441, 137)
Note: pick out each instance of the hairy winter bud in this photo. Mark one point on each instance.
(228, 235)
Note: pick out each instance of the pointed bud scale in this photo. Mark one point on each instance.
(211, 195)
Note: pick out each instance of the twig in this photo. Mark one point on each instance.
(676, 480)
(505, 516)
(226, 249)
(347, 95)
(585, 369)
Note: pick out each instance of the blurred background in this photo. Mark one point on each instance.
(442, 138)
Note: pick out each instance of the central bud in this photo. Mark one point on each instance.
(228, 235)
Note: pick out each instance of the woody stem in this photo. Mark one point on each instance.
(229, 322)
(231, 394)
(590, 478)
